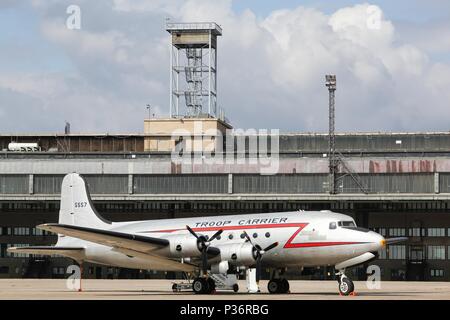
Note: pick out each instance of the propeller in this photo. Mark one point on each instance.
(203, 244)
(258, 253)
(395, 240)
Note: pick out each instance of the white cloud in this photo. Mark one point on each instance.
(271, 69)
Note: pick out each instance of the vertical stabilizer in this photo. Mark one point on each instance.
(76, 205)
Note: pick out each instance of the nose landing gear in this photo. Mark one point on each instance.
(346, 286)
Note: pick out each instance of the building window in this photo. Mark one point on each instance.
(436, 232)
(382, 254)
(21, 231)
(436, 252)
(397, 232)
(436, 273)
(416, 253)
(398, 274)
(381, 231)
(416, 232)
(397, 252)
(58, 270)
(37, 232)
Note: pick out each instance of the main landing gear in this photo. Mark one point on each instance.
(278, 284)
(346, 286)
(203, 285)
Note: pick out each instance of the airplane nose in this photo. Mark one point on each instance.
(381, 241)
(378, 240)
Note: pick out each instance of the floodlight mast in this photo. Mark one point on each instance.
(333, 162)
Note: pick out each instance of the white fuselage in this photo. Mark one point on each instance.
(304, 238)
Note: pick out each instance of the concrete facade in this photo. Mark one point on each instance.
(408, 194)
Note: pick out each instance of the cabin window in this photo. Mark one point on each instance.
(255, 235)
(230, 236)
(333, 225)
(267, 234)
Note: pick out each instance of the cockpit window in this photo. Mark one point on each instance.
(333, 225)
(346, 224)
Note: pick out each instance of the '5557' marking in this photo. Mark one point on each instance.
(80, 204)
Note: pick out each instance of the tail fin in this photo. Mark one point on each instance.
(76, 205)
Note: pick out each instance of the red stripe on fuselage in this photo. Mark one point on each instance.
(288, 243)
(318, 244)
(241, 227)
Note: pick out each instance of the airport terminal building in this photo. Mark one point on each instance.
(397, 184)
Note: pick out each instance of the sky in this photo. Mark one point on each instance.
(391, 58)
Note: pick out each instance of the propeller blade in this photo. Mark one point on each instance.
(192, 231)
(273, 245)
(215, 235)
(395, 240)
(248, 237)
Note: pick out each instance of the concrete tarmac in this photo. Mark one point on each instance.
(30, 289)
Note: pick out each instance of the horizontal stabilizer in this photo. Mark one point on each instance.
(76, 253)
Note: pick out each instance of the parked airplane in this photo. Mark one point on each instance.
(208, 246)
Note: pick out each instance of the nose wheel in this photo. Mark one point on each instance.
(346, 286)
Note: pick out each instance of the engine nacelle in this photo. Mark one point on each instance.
(238, 254)
(184, 246)
(220, 268)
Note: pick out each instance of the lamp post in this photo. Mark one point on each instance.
(331, 84)
(148, 108)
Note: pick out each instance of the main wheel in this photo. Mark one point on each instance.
(284, 286)
(200, 285)
(235, 287)
(346, 286)
(274, 286)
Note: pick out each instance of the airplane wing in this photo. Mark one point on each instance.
(130, 244)
(76, 253)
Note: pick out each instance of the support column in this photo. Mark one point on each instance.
(130, 184)
(31, 183)
(436, 182)
(230, 183)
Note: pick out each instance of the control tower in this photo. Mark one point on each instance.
(193, 70)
